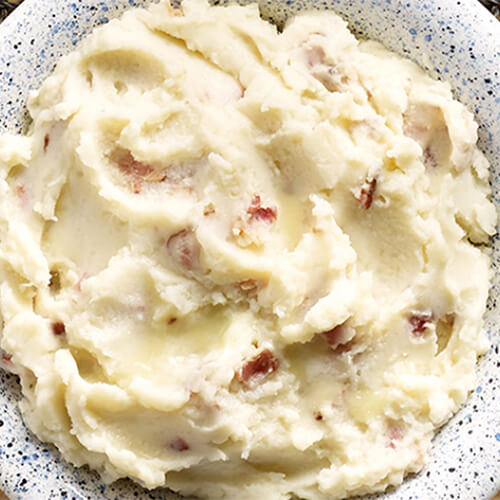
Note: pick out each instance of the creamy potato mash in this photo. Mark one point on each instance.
(242, 263)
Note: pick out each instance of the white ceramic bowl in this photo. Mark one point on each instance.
(456, 40)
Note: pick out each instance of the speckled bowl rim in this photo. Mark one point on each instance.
(465, 459)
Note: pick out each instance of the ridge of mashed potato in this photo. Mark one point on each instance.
(242, 263)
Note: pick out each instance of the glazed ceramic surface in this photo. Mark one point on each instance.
(458, 41)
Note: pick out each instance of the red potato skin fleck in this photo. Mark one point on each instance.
(342, 348)
(315, 55)
(137, 171)
(58, 328)
(179, 445)
(23, 196)
(263, 364)
(333, 336)
(429, 159)
(83, 277)
(394, 435)
(411, 129)
(259, 213)
(366, 192)
(418, 323)
(46, 142)
(6, 357)
(184, 249)
(129, 165)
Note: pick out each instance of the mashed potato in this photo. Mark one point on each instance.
(242, 263)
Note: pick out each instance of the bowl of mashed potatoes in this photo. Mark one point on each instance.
(249, 251)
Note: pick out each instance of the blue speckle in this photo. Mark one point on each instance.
(497, 436)
(427, 38)
(479, 390)
(413, 31)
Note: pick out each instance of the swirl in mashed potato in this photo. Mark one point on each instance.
(242, 263)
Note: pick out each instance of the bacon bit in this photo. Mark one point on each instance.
(209, 210)
(394, 434)
(184, 249)
(46, 142)
(263, 364)
(419, 323)
(365, 193)
(58, 328)
(6, 357)
(260, 213)
(179, 445)
(318, 416)
(171, 321)
(315, 55)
